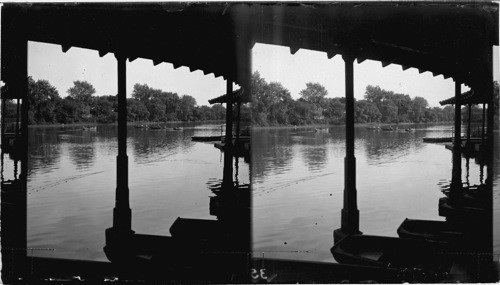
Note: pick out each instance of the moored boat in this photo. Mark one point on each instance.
(207, 138)
(460, 210)
(322, 130)
(438, 140)
(155, 127)
(85, 128)
(433, 231)
(392, 252)
(387, 128)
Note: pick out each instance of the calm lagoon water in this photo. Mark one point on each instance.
(298, 182)
(72, 181)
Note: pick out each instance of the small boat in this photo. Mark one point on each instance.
(322, 130)
(472, 195)
(461, 210)
(140, 126)
(85, 128)
(392, 252)
(433, 231)
(206, 138)
(387, 128)
(155, 127)
(177, 129)
(438, 140)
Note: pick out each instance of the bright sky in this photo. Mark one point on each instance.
(275, 63)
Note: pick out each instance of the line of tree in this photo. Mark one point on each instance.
(272, 104)
(83, 106)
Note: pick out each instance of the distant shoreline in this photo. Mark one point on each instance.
(116, 123)
(335, 125)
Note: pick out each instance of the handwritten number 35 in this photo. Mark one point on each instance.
(258, 274)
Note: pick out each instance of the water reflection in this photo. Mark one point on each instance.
(298, 181)
(72, 183)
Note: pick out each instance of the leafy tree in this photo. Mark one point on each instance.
(136, 111)
(156, 109)
(43, 100)
(418, 106)
(389, 111)
(81, 91)
(219, 112)
(144, 93)
(68, 111)
(335, 110)
(186, 108)
(102, 110)
(366, 112)
(314, 93)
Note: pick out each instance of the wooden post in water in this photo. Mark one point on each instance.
(456, 179)
(122, 215)
(227, 178)
(350, 213)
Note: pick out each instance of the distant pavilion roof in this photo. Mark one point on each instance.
(237, 96)
(466, 98)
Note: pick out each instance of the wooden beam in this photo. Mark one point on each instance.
(102, 53)
(65, 48)
(360, 59)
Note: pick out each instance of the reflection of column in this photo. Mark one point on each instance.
(350, 213)
(482, 129)
(228, 147)
(468, 125)
(17, 119)
(467, 168)
(122, 216)
(238, 122)
(456, 179)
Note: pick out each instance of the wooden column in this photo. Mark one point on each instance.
(14, 192)
(350, 213)
(227, 177)
(456, 179)
(122, 215)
